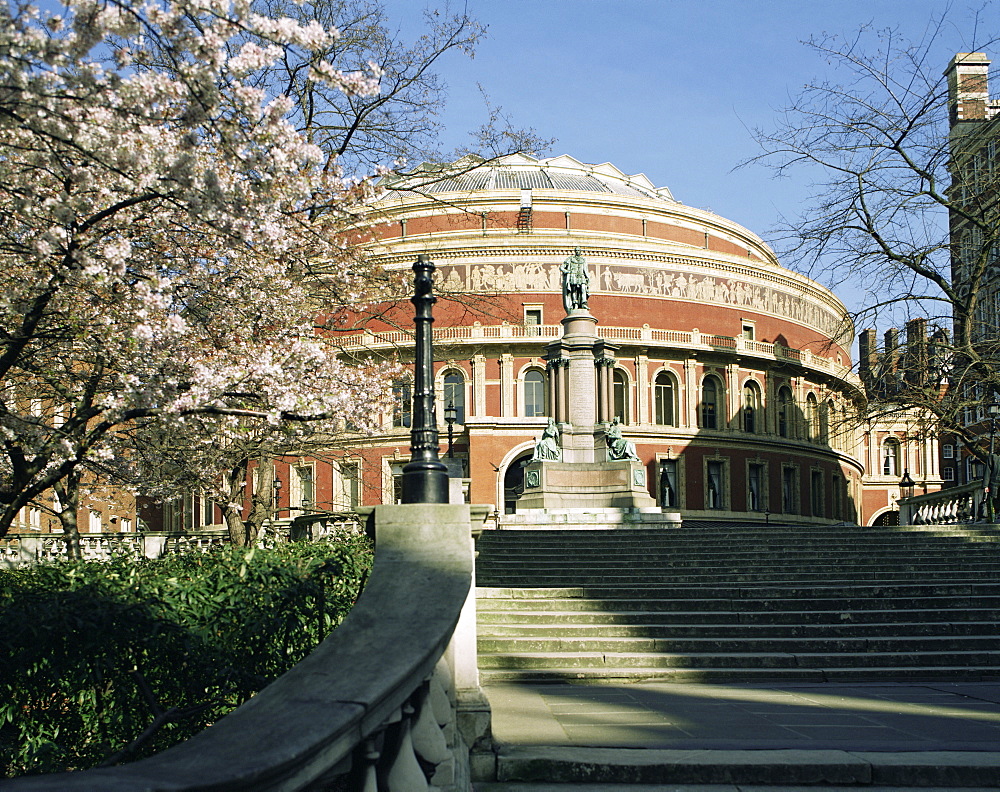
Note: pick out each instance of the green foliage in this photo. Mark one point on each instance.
(107, 661)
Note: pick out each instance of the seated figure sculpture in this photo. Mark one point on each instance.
(547, 446)
(618, 446)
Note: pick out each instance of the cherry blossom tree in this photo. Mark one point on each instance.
(160, 223)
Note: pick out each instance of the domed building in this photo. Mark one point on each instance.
(729, 373)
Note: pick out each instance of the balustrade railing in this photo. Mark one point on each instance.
(960, 504)
(372, 708)
(27, 548)
(445, 335)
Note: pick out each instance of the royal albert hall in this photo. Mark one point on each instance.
(730, 373)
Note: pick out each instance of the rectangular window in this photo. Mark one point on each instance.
(838, 489)
(789, 490)
(948, 473)
(755, 487)
(95, 525)
(748, 331)
(347, 495)
(816, 493)
(948, 451)
(668, 483)
(714, 486)
(532, 319)
(397, 482)
(303, 495)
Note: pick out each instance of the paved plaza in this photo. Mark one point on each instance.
(851, 717)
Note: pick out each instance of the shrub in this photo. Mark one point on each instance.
(109, 661)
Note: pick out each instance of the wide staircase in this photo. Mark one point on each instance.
(707, 603)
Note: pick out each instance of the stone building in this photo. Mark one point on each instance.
(730, 374)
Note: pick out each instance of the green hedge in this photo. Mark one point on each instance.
(102, 662)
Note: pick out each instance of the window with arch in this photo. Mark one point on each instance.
(534, 393)
(454, 393)
(751, 408)
(785, 413)
(663, 400)
(620, 386)
(711, 395)
(812, 417)
(890, 457)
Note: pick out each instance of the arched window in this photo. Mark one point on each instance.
(454, 393)
(785, 412)
(663, 400)
(812, 417)
(534, 393)
(710, 399)
(751, 408)
(620, 384)
(890, 457)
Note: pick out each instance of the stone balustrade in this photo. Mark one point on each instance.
(948, 506)
(695, 340)
(26, 548)
(377, 706)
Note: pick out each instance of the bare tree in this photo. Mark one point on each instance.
(896, 214)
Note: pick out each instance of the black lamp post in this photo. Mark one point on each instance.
(276, 488)
(450, 417)
(425, 476)
(906, 484)
(993, 409)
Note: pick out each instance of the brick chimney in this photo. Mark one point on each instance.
(968, 87)
(867, 355)
(916, 350)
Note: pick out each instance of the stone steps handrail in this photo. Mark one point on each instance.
(368, 702)
(952, 505)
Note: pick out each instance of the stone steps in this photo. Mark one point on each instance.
(760, 604)
(674, 631)
(543, 769)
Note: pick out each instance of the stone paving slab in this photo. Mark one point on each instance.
(804, 716)
(544, 787)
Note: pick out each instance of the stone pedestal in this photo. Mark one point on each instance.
(579, 394)
(585, 485)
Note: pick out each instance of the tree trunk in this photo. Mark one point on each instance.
(68, 492)
(232, 508)
(261, 501)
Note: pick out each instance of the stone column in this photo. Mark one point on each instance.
(735, 400)
(692, 389)
(479, 385)
(642, 413)
(577, 346)
(507, 385)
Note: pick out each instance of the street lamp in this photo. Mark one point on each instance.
(450, 417)
(276, 485)
(993, 409)
(906, 485)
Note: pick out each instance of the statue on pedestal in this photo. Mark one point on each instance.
(575, 281)
(547, 446)
(618, 446)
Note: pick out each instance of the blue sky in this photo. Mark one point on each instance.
(669, 88)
